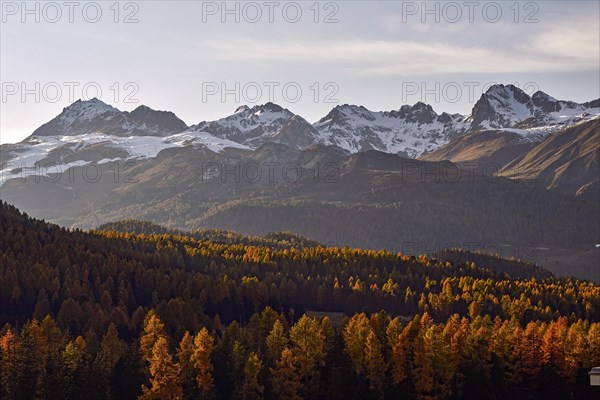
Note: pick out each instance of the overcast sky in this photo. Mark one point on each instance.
(178, 56)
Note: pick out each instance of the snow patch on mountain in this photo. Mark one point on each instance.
(539, 133)
(92, 131)
(93, 116)
(29, 157)
(409, 130)
(264, 119)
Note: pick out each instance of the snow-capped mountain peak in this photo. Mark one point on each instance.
(85, 110)
(95, 116)
(248, 125)
(501, 106)
(541, 96)
(410, 130)
(510, 107)
(340, 114)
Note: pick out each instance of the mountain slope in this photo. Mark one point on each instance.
(567, 161)
(369, 199)
(485, 147)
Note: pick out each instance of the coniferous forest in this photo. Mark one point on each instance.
(134, 311)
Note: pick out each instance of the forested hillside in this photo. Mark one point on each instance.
(276, 240)
(370, 200)
(113, 315)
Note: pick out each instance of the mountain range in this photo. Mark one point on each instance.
(409, 131)
(402, 180)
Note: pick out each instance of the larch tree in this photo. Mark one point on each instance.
(11, 368)
(440, 358)
(164, 374)
(553, 345)
(76, 360)
(112, 349)
(186, 366)
(422, 369)
(328, 333)
(286, 381)
(375, 365)
(308, 344)
(527, 354)
(252, 389)
(355, 337)
(237, 361)
(276, 342)
(576, 349)
(154, 329)
(594, 343)
(204, 345)
(402, 352)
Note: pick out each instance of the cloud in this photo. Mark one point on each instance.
(580, 43)
(390, 58)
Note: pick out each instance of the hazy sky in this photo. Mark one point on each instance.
(179, 56)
